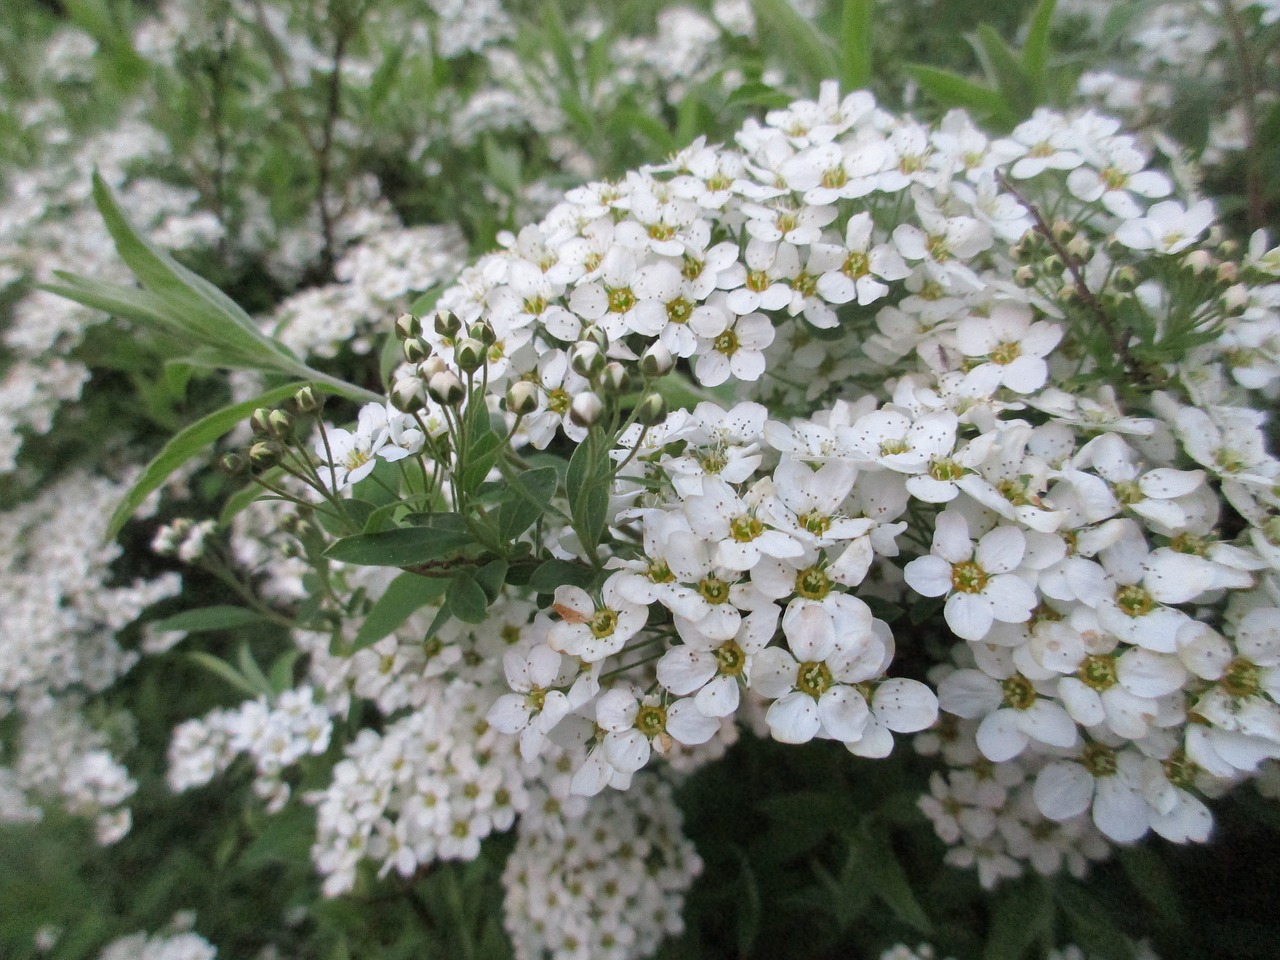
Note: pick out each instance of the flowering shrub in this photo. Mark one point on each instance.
(933, 450)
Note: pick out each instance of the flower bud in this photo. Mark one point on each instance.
(1053, 263)
(1227, 249)
(445, 388)
(656, 361)
(259, 422)
(652, 409)
(447, 324)
(233, 465)
(1066, 293)
(470, 354)
(280, 424)
(483, 331)
(408, 326)
(416, 349)
(430, 367)
(596, 335)
(615, 378)
(585, 409)
(307, 400)
(264, 454)
(1125, 279)
(407, 396)
(1024, 276)
(1197, 261)
(587, 359)
(1228, 272)
(1235, 299)
(522, 398)
(1079, 247)
(1063, 231)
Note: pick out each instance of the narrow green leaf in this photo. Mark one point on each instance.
(1021, 912)
(246, 495)
(404, 596)
(952, 90)
(811, 53)
(748, 913)
(554, 573)
(1035, 51)
(252, 672)
(890, 883)
(758, 95)
(857, 44)
(528, 497)
(224, 670)
(1007, 70)
(202, 619)
(402, 547)
(587, 484)
(384, 77)
(467, 598)
(191, 441)
(1092, 925)
(481, 456)
(282, 670)
(1149, 875)
(491, 577)
(119, 300)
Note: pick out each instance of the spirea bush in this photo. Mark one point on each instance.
(855, 534)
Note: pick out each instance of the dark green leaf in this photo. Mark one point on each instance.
(555, 573)
(1149, 875)
(1092, 925)
(890, 883)
(210, 618)
(587, 484)
(282, 670)
(1007, 71)
(810, 52)
(191, 441)
(491, 577)
(402, 547)
(1021, 913)
(952, 90)
(1035, 51)
(528, 497)
(857, 46)
(404, 595)
(748, 914)
(467, 599)
(759, 95)
(482, 454)
(224, 670)
(252, 672)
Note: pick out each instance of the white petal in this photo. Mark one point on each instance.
(999, 737)
(1047, 722)
(687, 724)
(905, 706)
(843, 713)
(794, 718)
(1063, 790)
(1119, 811)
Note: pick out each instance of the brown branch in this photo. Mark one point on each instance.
(1119, 342)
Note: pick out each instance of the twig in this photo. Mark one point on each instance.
(1119, 342)
(1255, 200)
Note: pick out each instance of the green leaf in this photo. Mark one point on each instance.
(952, 90)
(252, 672)
(1022, 912)
(857, 44)
(224, 670)
(748, 913)
(587, 484)
(528, 497)
(249, 493)
(403, 597)
(1092, 925)
(1149, 875)
(384, 77)
(758, 95)
(554, 573)
(1007, 71)
(404, 546)
(810, 53)
(491, 577)
(1035, 51)
(202, 619)
(890, 883)
(467, 599)
(191, 441)
(282, 670)
(482, 454)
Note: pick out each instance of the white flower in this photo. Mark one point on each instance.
(1012, 710)
(734, 527)
(860, 264)
(635, 726)
(1010, 341)
(738, 351)
(533, 709)
(979, 586)
(590, 631)
(1168, 227)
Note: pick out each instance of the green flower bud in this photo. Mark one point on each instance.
(445, 388)
(233, 465)
(430, 367)
(596, 335)
(483, 331)
(1063, 231)
(1080, 248)
(416, 349)
(407, 396)
(585, 409)
(656, 361)
(264, 454)
(447, 324)
(587, 359)
(280, 424)
(1228, 272)
(1024, 276)
(408, 327)
(652, 409)
(1125, 279)
(307, 400)
(1197, 261)
(259, 422)
(522, 398)
(470, 354)
(615, 378)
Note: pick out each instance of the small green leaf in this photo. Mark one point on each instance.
(952, 90)
(224, 670)
(467, 599)
(402, 547)
(528, 497)
(810, 52)
(185, 445)
(1022, 911)
(482, 454)
(1007, 71)
(554, 573)
(282, 670)
(890, 883)
(856, 18)
(587, 484)
(1149, 875)
(252, 672)
(204, 619)
(406, 594)
(491, 577)
(758, 95)
(1092, 925)
(1035, 51)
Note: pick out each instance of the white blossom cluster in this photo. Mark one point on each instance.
(177, 946)
(377, 277)
(61, 613)
(607, 883)
(275, 735)
(1070, 543)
